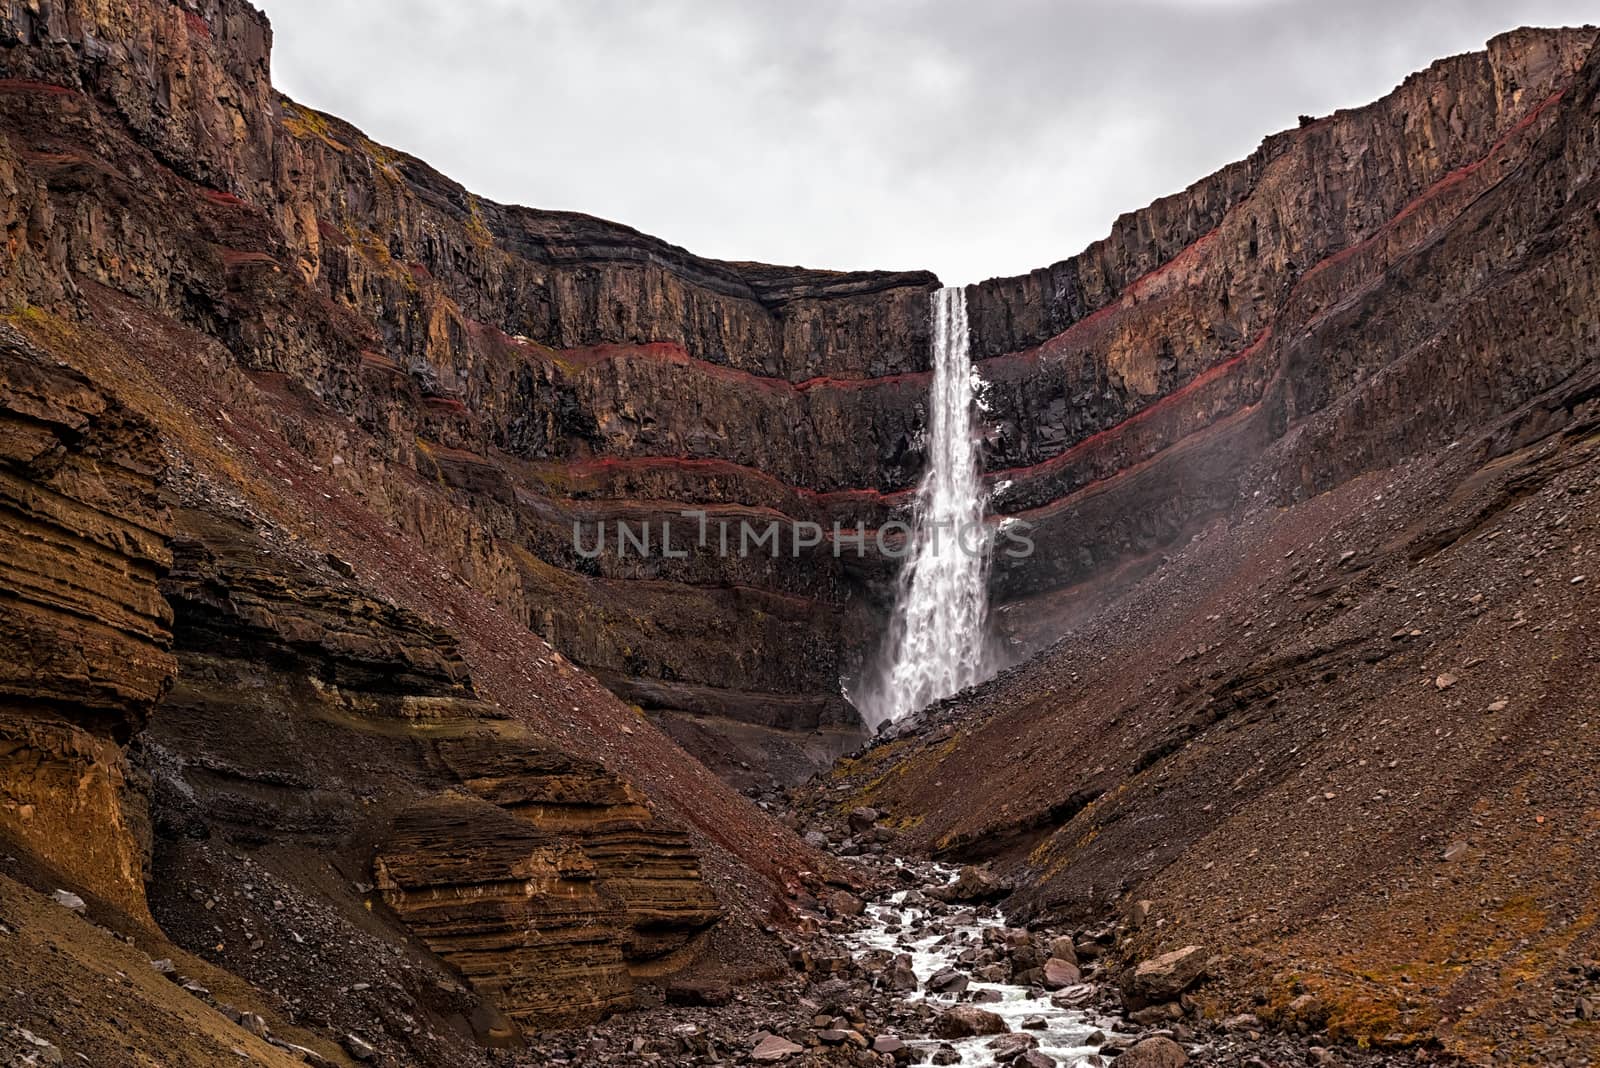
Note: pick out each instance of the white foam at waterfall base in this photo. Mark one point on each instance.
(938, 637)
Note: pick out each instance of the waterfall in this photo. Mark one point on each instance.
(938, 636)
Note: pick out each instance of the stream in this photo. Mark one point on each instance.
(1070, 1036)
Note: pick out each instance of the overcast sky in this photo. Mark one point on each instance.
(971, 138)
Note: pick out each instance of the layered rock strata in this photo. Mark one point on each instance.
(312, 717)
(551, 370)
(647, 867)
(516, 911)
(84, 639)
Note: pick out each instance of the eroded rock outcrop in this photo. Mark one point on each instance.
(517, 911)
(646, 866)
(314, 717)
(84, 640)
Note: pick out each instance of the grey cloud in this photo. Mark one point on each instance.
(973, 139)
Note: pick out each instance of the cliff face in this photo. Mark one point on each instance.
(385, 404)
(556, 374)
(1332, 736)
(1144, 376)
(164, 307)
(347, 734)
(82, 625)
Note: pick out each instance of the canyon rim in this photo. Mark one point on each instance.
(329, 735)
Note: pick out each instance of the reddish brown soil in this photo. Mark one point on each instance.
(98, 1000)
(1347, 744)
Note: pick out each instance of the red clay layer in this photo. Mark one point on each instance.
(24, 85)
(1199, 382)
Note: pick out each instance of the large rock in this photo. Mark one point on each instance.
(901, 975)
(1059, 974)
(947, 981)
(1063, 948)
(709, 992)
(973, 885)
(862, 819)
(1165, 977)
(1008, 1048)
(774, 1048)
(967, 1021)
(844, 903)
(1157, 1052)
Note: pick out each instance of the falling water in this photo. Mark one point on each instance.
(938, 636)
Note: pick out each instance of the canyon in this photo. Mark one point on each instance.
(309, 695)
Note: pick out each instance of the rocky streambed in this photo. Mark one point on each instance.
(920, 967)
(993, 1003)
(916, 963)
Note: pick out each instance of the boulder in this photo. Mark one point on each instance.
(1060, 974)
(947, 981)
(974, 885)
(862, 819)
(1014, 938)
(1073, 997)
(1163, 978)
(360, 1048)
(774, 1048)
(968, 1021)
(1157, 1052)
(1008, 1048)
(1151, 1015)
(844, 903)
(709, 992)
(900, 975)
(68, 900)
(1025, 957)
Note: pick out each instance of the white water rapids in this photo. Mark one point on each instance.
(1071, 1036)
(938, 637)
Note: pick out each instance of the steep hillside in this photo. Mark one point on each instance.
(1342, 737)
(551, 371)
(270, 696)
